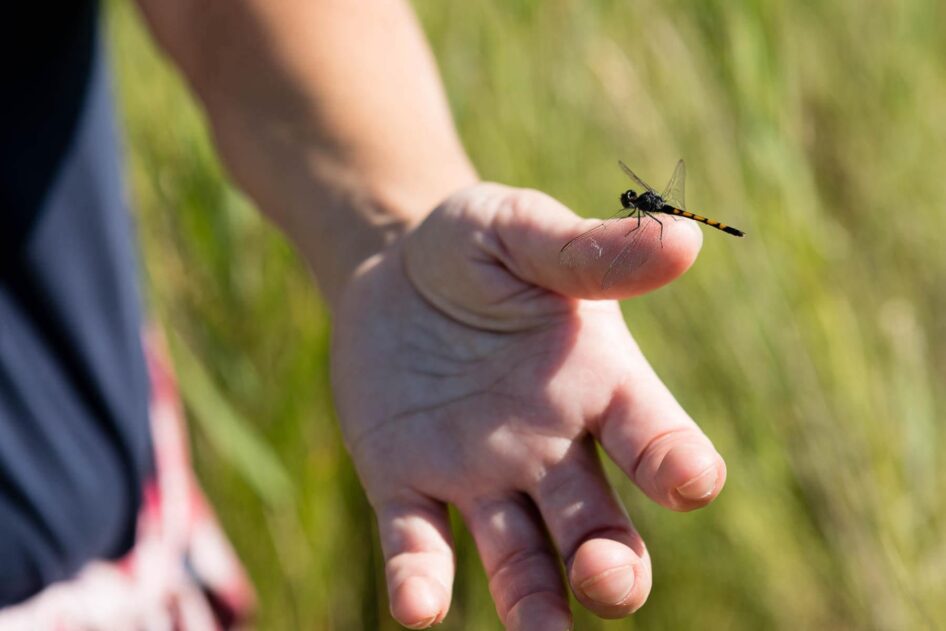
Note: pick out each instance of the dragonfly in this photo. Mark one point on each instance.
(586, 247)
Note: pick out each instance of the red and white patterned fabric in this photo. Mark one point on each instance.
(181, 574)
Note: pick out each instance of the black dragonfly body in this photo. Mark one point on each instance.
(586, 247)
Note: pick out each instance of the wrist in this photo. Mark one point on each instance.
(360, 210)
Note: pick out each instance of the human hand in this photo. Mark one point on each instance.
(471, 368)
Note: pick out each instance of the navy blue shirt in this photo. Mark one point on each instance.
(74, 442)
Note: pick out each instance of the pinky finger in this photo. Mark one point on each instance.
(418, 560)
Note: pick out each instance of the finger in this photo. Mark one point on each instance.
(525, 579)
(533, 228)
(657, 444)
(605, 557)
(419, 565)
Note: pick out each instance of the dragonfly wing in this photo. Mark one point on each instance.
(634, 177)
(589, 246)
(630, 257)
(675, 192)
(613, 242)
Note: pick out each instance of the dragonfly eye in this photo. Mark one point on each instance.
(628, 197)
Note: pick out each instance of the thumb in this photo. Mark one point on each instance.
(617, 259)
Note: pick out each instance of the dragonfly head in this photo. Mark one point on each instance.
(628, 198)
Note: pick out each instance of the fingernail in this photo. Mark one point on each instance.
(423, 624)
(700, 487)
(611, 587)
(425, 599)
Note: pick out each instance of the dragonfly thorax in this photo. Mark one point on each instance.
(649, 202)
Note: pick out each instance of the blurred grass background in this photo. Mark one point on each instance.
(811, 352)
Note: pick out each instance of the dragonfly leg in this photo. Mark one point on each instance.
(661, 224)
(638, 215)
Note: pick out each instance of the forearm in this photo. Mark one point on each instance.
(329, 114)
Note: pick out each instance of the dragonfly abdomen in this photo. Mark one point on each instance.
(670, 210)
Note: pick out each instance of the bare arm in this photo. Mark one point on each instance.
(328, 113)
(468, 367)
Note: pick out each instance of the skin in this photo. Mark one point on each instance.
(469, 366)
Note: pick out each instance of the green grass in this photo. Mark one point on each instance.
(811, 352)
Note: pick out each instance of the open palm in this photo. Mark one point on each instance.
(471, 368)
